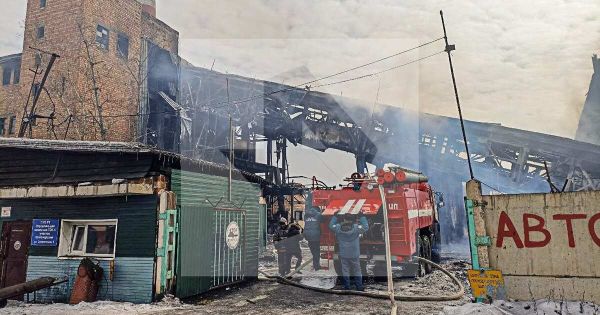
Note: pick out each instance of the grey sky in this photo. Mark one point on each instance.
(525, 64)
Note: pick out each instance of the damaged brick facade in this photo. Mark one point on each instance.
(97, 87)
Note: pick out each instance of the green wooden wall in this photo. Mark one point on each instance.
(135, 248)
(196, 250)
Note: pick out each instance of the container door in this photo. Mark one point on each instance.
(229, 246)
(16, 237)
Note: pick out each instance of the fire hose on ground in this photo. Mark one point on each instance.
(407, 298)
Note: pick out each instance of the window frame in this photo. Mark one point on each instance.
(12, 122)
(6, 69)
(98, 38)
(120, 54)
(2, 126)
(16, 74)
(65, 245)
(43, 4)
(41, 27)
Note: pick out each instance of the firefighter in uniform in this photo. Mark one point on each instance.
(312, 234)
(279, 236)
(292, 245)
(347, 233)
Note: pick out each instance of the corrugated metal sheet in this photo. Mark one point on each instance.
(197, 194)
(132, 280)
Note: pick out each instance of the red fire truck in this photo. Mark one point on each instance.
(412, 213)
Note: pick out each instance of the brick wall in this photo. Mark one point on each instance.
(70, 28)
(10, 95)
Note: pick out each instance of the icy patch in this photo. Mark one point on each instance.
(524, 308)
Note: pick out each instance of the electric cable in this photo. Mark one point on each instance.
(379, 72)
(307, 84)
(492, 188)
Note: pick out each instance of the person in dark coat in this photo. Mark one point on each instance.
(292, 244)
(312, 234)
(279, 237)
(347, 233)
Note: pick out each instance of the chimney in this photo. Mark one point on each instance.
(149, 6)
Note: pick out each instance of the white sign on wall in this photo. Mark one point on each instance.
(6, 212)
(232, 235)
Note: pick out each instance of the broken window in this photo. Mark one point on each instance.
(83, 238)
(6, 75)
(123, 46)
(102, 36)
(2, 123)
(38, 60)
(11, 125)
(42, 4)
(41, 32)
(17, 75)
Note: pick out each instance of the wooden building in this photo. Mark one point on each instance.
(156, 222)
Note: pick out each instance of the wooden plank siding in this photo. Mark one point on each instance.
(36, 167)
(136, 230)
(196, 238)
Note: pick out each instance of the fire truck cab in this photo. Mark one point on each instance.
(412, 208)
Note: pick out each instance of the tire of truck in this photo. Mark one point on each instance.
(380, 271)
(436, 245)
(425, 252)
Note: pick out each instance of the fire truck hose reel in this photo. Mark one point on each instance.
(407, 298)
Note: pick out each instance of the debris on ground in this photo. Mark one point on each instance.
(539, 307)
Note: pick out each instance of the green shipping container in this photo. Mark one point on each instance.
(218, 241)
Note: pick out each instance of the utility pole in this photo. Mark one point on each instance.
(388, 252)
(449, 49)
(26, 122)
(231, 154)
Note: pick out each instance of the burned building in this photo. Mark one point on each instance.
(115, 66)
(507, 160)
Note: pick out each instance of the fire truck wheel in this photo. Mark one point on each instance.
(425, 252)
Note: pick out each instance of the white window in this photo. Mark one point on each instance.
(87, 238)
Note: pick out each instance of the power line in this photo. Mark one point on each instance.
(379, 72)
(492, 188)
(307, 84)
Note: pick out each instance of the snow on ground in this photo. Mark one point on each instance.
(324, 279)
(167, 305)
(540, 307)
